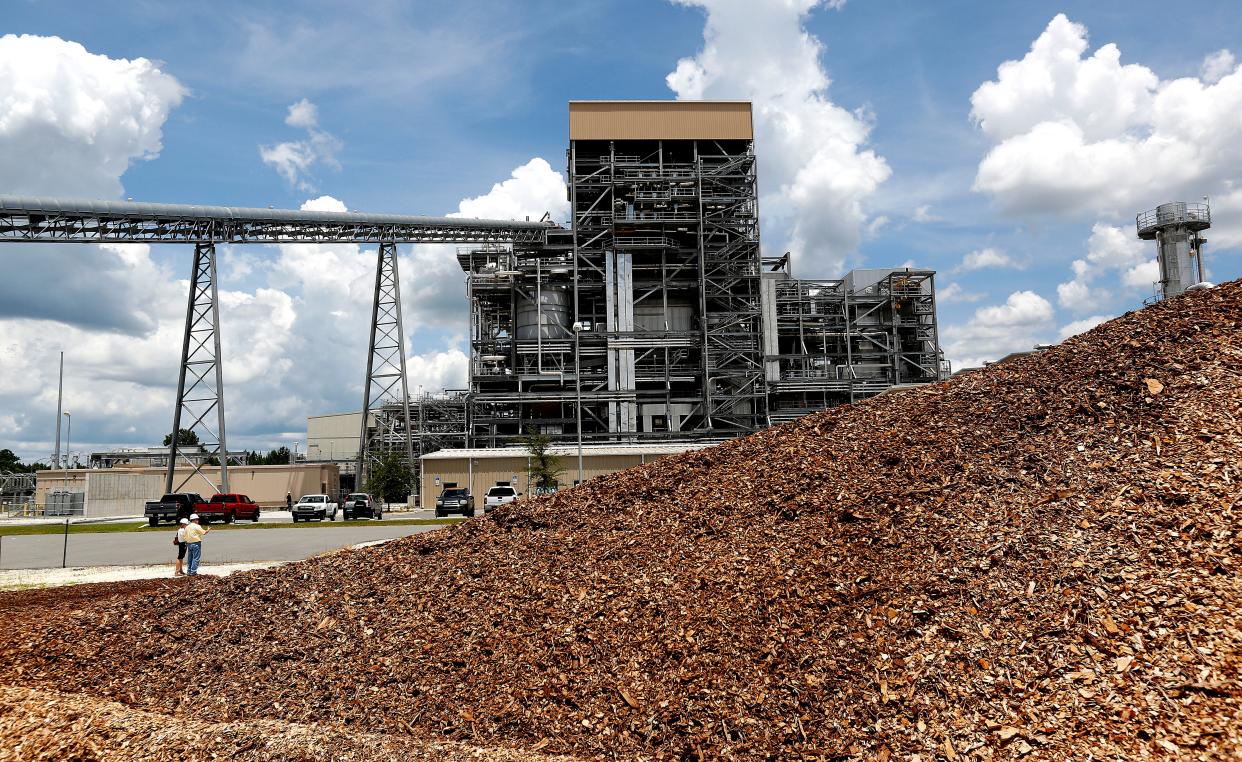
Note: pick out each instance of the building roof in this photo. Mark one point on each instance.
(660, 120)
(666, 448)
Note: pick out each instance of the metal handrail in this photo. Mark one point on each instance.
(1172, 214)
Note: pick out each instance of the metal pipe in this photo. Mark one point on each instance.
(578, 388)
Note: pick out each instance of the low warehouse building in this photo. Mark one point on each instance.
(481, 469)
(125, 491)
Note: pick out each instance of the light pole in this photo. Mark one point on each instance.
(60, 392)
(68, 433)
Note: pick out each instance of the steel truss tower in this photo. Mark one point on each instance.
(385, 392)
(203, 398)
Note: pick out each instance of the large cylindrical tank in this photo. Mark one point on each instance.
(549, 318)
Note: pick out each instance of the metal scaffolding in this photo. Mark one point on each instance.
(203, 399)
(386, 386)
(653, 317)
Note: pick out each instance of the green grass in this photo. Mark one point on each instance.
(33, 529)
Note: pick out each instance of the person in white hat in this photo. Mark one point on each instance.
(194, 534)
(179, 541)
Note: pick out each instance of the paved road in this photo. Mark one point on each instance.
(126, 549)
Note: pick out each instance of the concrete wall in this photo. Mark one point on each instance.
(124, 491)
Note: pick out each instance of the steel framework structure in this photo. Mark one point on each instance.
(386, 386)
(200, 389)
(644, 320)
(203, 398)
(49, 220)
(655, 317)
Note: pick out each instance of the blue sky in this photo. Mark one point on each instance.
(880, 143)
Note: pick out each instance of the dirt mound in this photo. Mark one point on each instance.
(1037, 560)
(73, 596)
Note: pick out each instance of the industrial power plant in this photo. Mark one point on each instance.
(653, 318)
(650, 324)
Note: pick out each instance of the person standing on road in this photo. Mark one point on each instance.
(194, 534)
(179, 541)
(288, 501)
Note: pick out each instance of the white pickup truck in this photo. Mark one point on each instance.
(498, 496)
(314, 507)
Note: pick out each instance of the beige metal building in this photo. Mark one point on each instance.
(485, 467)
(333, 437)
(124, 491)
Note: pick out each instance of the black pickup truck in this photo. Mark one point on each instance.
(172, 507)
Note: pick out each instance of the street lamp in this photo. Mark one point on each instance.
(579, 327)
(68, 432)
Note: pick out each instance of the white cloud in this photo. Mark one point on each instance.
(531, 190)
(294, 159)
(989, 257)
(1111, 251)
(1079, 326)
(816, 174)
(1081, 134)
(68, 113)
(303, 114)
(953, 292)
(438, 370)
(923, 214)
(1216, 66)
(992, 332)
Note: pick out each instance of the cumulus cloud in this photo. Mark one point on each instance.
(531, 190)
(71, 122)
(953, 292)
(1216, 66)
(1020, 323)
(816, 172)
(294, 159)
(1083, 134)
(923, 214)
(83, 115)
(981, 259)
(1111, 252)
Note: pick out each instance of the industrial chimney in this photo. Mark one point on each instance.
(1175, 228)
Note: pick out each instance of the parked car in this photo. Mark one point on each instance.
(172, 507)
(498, 496)
(228, 507)
(314, 507)
(455, 500)
(359, 504)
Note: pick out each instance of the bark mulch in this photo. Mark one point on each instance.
(1034, 561)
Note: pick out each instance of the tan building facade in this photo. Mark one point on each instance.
(333, 437)
(481, 469)
(125, 491)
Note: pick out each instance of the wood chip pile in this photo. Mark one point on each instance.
(1039, 560)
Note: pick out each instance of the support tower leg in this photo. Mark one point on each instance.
(202, 399)
(385, 385)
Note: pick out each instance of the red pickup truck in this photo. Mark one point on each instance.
(227, 507)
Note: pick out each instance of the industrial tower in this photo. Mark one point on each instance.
(1175, 227)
